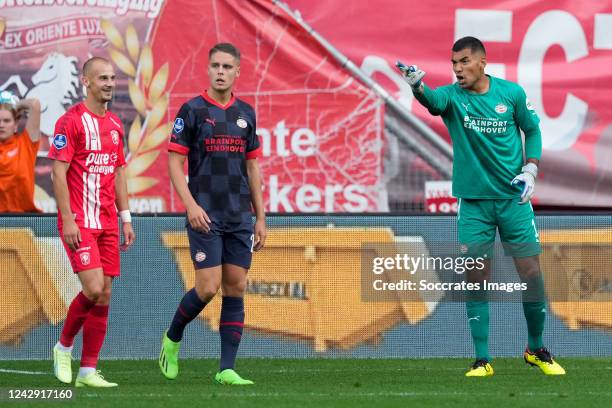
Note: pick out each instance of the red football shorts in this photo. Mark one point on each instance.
(98, 249)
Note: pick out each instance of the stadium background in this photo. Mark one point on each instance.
(336, 140)
(304, 297)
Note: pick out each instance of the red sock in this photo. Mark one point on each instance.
(94, 332)
(77, 313)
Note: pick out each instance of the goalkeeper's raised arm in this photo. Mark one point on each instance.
(436, 101)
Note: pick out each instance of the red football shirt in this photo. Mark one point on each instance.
(93, 145)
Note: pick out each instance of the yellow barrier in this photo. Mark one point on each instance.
(306, 283)
(29, 294)
(574, 269)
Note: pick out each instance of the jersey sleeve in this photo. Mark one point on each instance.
(253, 149)
(64, 140)
(529, 122)
(32, 147)
(436, 101)
(120, 153)
(182, 131)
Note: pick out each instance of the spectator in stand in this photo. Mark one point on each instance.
(18, 153)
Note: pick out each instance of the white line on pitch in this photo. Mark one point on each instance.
(6, 370)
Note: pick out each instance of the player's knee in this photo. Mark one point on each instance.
(528, 268)
(94, 292)
(530, 272)
(206, 291)
(237, 288)
(478, 275)
(105, 296)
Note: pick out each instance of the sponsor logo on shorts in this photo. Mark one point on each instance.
(60, 141)
(501, 108)
(241, 123)
(179, 125)
(85, 258)
(200, 256)
(115, 136)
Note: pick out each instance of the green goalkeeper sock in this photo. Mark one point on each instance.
(535, 311)
(478, 318)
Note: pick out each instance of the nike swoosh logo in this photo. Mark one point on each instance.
(474, 318)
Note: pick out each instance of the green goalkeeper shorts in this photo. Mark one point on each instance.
(478, 220)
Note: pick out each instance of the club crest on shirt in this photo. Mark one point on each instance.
(85, 258)
(60, 141)
(115, 136)
(241, 123)
(501, 108)
(179, 125)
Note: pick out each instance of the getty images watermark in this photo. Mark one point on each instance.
(409, 271)
(460, 265)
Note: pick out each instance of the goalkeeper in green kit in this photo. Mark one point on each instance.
(494, 185)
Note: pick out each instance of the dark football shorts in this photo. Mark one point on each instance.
(232, 244)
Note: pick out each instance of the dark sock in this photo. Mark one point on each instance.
(230, 329)
(188, 309)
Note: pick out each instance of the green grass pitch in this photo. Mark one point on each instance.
(328, 383)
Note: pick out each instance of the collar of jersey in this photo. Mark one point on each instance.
(8, 143)
(93, 114)
(217, 104)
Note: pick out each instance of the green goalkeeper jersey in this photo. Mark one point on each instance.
(484, 128)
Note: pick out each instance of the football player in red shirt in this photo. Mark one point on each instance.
(89, 180)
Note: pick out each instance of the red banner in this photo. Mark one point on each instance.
(320, 129)
(39, 35)
(439, 197)
(560, 52)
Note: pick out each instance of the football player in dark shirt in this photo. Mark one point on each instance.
(215, 132)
